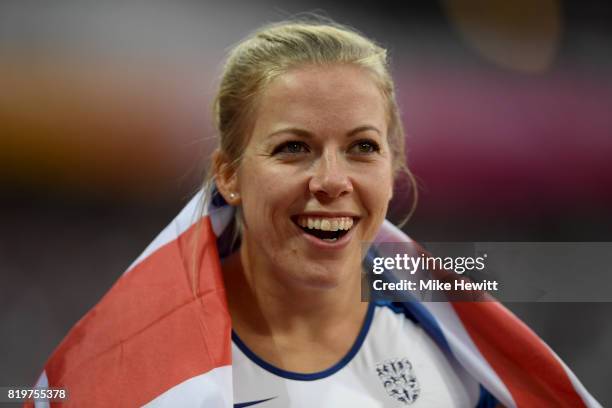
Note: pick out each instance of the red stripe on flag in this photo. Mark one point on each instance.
(533, 375)
(150, 332)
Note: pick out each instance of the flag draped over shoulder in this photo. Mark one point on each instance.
(161, 336)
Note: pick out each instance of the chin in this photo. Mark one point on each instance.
(321, 276)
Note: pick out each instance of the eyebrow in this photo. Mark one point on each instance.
(308, 135)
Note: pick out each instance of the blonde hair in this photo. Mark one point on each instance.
(272, 51)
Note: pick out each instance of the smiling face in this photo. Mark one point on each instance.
(316, 178)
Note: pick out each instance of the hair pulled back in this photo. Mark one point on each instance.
(274, 50)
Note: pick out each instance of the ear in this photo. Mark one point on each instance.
(226, 178)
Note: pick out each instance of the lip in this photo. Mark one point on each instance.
(319, 243)
(328, 214)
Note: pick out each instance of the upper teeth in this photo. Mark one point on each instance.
(325, 223)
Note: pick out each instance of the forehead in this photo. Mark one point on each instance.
(322, 98)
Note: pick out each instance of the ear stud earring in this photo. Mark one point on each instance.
(232, 196)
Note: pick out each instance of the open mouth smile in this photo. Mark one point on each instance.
(326, 229)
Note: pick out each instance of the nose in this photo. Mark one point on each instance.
(330, 178)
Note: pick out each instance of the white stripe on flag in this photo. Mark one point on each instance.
(211, 389)
(466, 352)
(185, 219)
(220, 218)
(43, 382)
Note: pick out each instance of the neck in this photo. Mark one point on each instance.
(263, 303)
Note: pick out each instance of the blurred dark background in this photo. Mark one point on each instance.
(105, 129)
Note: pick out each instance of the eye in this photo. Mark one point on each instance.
(291, 147)
(365, 147)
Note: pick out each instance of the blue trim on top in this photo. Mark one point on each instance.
(251, 403)
(291, 375)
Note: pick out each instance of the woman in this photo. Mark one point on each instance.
(313, 176)
(310, 146)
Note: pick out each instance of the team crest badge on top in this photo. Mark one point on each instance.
(399, 380)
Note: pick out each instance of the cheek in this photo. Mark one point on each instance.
(267, 193)
(376, 195)
(378, 188)
(377, 201)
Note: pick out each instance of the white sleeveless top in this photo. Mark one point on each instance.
(393, 363)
